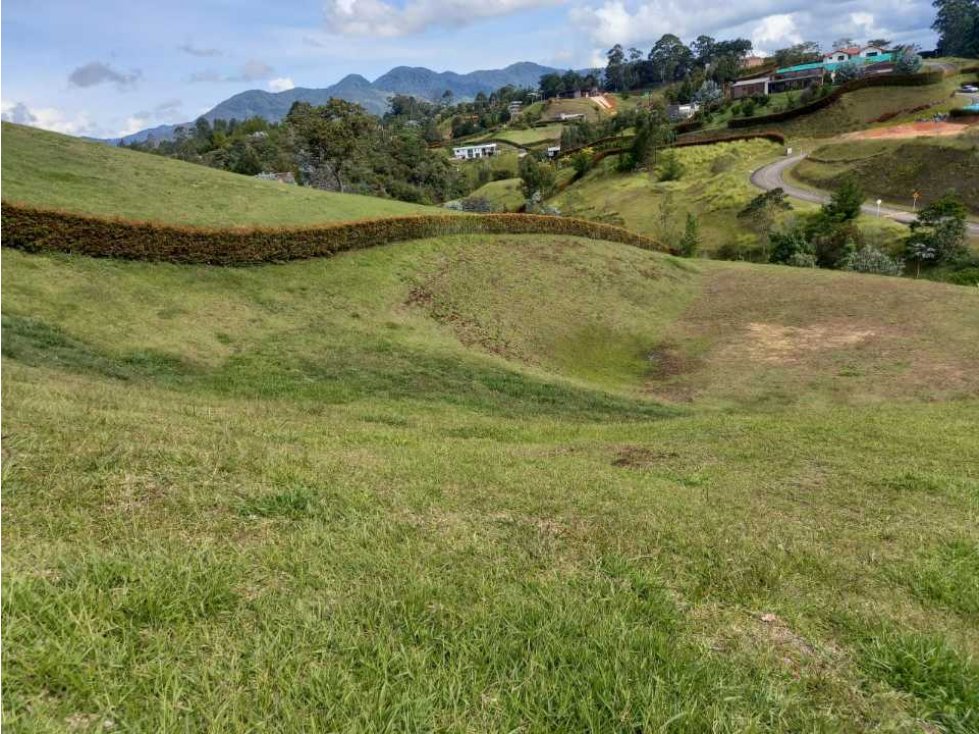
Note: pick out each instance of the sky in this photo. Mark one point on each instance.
(105, 68)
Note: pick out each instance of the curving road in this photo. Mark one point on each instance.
(771, 177)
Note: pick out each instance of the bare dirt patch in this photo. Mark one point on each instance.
(778, 344)
(640, 457)
(910, 130)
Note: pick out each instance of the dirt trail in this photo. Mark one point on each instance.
(910, 130)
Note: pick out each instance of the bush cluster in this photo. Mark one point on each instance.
(33, 229)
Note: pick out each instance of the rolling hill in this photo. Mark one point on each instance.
(433, 485)
(52, 170)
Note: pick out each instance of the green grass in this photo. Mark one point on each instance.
(553, 109)
(52, 170)
(505, 195)
(518, 483)
(715, 186)
(860, 109)
(530, 136)
(893, 169)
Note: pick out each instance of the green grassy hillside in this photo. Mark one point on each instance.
(714, 186)
(893, 169)
(863, 107)
(536, 484)
(52, 170)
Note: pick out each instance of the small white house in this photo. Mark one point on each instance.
(566, 116)
(553, 151)
(472, 152)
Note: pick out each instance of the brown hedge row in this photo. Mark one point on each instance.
(34, 230)
(885, 80)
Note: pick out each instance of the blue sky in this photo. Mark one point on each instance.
(107, 67)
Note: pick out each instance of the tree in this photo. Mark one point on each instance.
(939, 233)
(844, 205)
(615, 68)
(800, 53)
(710, 95)
(671, 169)
(690, 241)
(907, 61)
(537, 176)
(879, 42)
(550, 85)
(844, 42)
(762, 211)
(652, 133)
(788, 246)
(328, 138)
(703, 50)
(670, 59)
(957, 26)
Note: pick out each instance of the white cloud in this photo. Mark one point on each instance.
(281, 84)
(770, 24)
(775, 31)
(389, 19)
(48, 118)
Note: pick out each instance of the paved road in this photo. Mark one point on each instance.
(771, 177)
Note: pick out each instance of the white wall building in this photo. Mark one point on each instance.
(472, 152)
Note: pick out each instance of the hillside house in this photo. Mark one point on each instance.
(750, 87)
(852, 53)
(569, 116)
(553, 151)
(473, 152)
(514, 108)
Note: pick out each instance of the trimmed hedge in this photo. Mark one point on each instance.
(36, 230)
(885, 80)
(775, 137)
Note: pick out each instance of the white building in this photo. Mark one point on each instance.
(472, 152)
(566, 116)
(853, 52)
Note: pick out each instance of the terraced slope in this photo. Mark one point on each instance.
(52, 170)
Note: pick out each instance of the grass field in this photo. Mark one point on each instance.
(893, 169)
(714, 187)
(530, 136)
(53, 170)
(553, 109)
(519, 484)
(505, 195)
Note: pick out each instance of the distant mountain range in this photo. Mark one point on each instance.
(415, 81)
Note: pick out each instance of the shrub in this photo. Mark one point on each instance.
(848, 71)
(671, 169)
(38, 230)
(476, 204)
(871, 260)
(907, 62)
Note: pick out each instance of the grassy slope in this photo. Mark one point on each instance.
(714, 187)
(892, 169)
(435, 486)
(859, 109)
(504, 195)
(48, 169)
